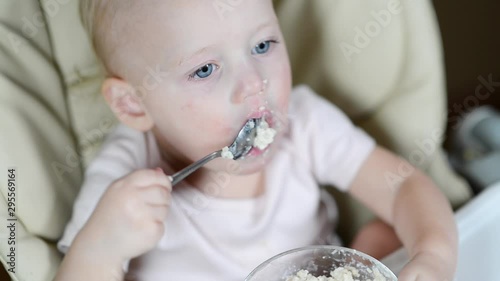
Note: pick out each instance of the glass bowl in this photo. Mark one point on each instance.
(319, 261)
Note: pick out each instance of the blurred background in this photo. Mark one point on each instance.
(471, 41)
(471, 38)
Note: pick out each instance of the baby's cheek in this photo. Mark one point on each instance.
(221, 126)
(208, 119)
(284, 90)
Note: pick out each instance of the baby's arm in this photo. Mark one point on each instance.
(127, 222)
(407, 199)
(81, 262)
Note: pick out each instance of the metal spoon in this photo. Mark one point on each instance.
(240, 147)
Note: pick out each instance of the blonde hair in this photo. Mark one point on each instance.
(98, 18)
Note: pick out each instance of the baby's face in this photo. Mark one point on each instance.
(219, 68)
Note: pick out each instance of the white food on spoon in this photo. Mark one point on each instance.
(226, 153)
(265, 135)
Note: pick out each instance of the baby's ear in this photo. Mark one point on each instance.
(126, 104)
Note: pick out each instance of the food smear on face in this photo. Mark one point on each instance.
(226, 153)
(265, 135)
(339, 274)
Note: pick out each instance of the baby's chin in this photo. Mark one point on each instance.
(238, 167)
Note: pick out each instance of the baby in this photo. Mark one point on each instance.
(184, 76)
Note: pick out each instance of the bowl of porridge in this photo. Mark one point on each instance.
(322, 263)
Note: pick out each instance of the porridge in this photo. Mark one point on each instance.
(265, 135)
(339, 274)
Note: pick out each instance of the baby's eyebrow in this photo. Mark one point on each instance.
(264, 25)
(200, 51)
(207, 48)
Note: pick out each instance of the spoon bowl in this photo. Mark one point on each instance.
(240, 147)
(245, 139)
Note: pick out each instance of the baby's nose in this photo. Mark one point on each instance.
(250, 88)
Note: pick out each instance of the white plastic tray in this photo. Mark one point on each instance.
(479, 235)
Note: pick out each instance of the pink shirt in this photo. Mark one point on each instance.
(214, 239)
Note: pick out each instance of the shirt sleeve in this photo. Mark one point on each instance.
(330, 144)
(118, 157)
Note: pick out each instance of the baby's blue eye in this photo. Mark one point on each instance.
(204, 71)
(262, 47)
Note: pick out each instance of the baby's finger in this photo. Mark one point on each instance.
(147, 177)
(156, 195)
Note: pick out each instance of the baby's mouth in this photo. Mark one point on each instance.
(265, 131)
(265, 135)
(253, 138)
(264, 114)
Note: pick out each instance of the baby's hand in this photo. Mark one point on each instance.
(427, 267)
(128, 220)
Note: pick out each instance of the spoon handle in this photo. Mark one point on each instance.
(179, 176)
